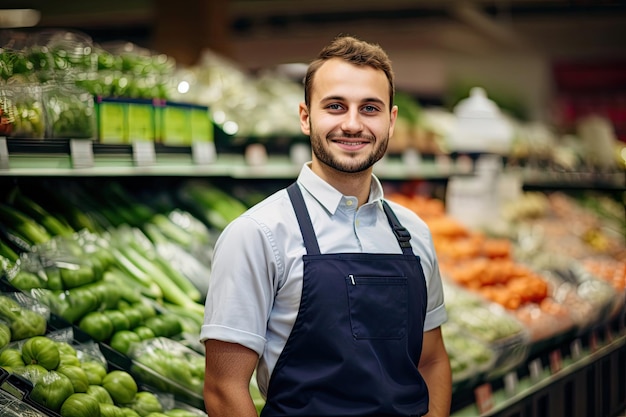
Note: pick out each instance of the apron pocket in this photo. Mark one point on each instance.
(378, 306)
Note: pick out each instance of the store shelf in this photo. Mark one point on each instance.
(55, 158)
(590, 382)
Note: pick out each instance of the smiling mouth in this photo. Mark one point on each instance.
(350, 143)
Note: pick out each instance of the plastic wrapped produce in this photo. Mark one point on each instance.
(168, 366)
(70, 111)
(22, 111)
(470, 358)
(491, 324)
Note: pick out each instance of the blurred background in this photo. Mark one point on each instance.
(532, 55)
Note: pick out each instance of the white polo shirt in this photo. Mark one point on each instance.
(256, 275)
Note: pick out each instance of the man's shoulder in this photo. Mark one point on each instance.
(271, 209)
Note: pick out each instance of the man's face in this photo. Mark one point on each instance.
(348, 119)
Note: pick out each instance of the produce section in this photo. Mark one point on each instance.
(112, 259)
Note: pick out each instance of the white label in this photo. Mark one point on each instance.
(203, 152)
(81, 151)
(144, 153)
(535, 369)
(576, 349)
(256, 154)
(510, 383)
(471, 200)
(300, 153)
(4, 153)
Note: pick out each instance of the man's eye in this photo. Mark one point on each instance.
(334, 106)
(370, 109)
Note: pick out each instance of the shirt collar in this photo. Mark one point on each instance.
(328, 196)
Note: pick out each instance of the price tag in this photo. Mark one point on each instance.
(4, 153)
(14, 390)
(203, 152)
(81, 151)
(299, 154)
(411, 158)
(484, 398)
(510, 383)
(144, 153)
(556, 361)
(535, 368)
(576, 349)
(256, 154)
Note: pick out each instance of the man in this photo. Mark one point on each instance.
(320, 287)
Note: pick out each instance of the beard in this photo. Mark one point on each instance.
(347, 164)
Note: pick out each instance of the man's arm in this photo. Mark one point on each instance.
(229, 367)
(435, 369)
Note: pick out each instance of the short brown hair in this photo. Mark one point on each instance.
(353, 51)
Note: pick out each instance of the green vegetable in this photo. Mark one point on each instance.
(171, 292)
(137, 274)
(160, 265)
(77, 375)
(77, 274)
(27, 228)
(95, 372)
(144, 332)
(24, 323)
(129, 412)
(145, 403)
(42, 351)
(121, 386)
(100, 393)
(80, 405)
(66, 349)
(25, 280)
(97, 325)
(52, 390)
(70, 360)
(5, 335)
(123, 339)
(216, 206)
(8, 253)
(31, 372)
(128, 289)
(74, 304)
(107, 295)
(109, 410)
(11, 358)
(119, 319)
(179, 412)
(164, 325)
(134, 317)
(54, 225)
(173, 361)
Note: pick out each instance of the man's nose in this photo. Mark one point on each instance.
(352, 122)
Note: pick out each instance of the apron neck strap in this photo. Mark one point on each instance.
(402, 235)
(308, 234)
(304, 221)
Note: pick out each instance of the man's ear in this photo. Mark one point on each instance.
(304, 119)
(392, 120)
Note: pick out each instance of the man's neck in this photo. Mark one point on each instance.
(350, 184)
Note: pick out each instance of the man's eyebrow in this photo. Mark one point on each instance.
(365, 100)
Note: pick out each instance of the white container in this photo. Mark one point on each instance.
(480, 126)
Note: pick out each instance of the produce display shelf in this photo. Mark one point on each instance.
(583, 381)
(54, 158)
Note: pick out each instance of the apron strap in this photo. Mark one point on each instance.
(304, 221)
(402, 235)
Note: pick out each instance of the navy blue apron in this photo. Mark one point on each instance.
(356, 343)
